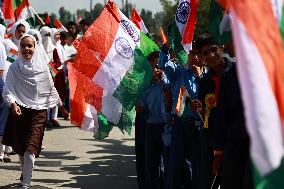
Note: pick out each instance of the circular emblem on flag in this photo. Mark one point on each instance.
(183, 12)
(123, 48)
(128, 28)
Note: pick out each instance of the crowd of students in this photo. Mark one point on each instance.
(33, 87)
(190, 129)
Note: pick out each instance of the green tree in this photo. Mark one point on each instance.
(169, 8)
(65, 16)
(98, 8)
(202, 21)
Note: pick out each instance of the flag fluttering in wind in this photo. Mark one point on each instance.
(137, 20)
(7, 13)
(26, 12)
(260, 55)
(219, 23)
(182, 31)
(59, 25)
(109, 74)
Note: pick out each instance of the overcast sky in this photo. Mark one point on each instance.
(50, 6)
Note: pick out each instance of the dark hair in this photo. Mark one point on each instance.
(20, 25)
(63, 35)
(204, 39)
(85, 22)
(153, 55)
(71, 23)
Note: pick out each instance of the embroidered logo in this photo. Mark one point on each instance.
(183, 12)
(128, 28)
(123, 48)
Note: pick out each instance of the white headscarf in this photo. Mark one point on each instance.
(2, 32)
(29, 83)
(4, 64)
(34, 32)
(14, 28)
(47, 42)
(60, 50)
(10, 48)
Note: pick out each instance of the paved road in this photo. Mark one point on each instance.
(73, 159)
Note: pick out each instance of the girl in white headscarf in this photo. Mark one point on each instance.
(37, 36)
(5, 46)
(55, 36)
(45, 32)
(29, 91)
(4, 109)
(20, 28)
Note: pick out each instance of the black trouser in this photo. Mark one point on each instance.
(207, 157)
(154, 150)
(140, 127)
(185, 146)
(236, 171)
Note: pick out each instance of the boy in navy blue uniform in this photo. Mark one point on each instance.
(185, 145)
(154, 104)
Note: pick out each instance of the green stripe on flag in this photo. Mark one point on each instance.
(176, 45)
(274, 180)
(104, 127)
(282, 25)
(9, 59)
(147, 45)
(215, 18)
(16, 3)
(134, 82)
(127, 120)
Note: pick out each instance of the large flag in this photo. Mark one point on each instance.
(26, 12)
(137, 20)
(7, 13)
(182, 31)
(260, 66)
(109, 74)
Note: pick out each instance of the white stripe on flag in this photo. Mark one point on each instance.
(90, 121)
(130, 28)
(112, 108)
(117, 63)
(261, 111)
(26, 13)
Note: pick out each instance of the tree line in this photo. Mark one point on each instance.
(153, 21)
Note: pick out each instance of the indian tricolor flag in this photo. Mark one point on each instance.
(7, 13)
(12, 55)
(260, 56)
(109, 74)
(26, 12)
(278, 8)
(182, 31)
(137, 20)
(59, 25)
